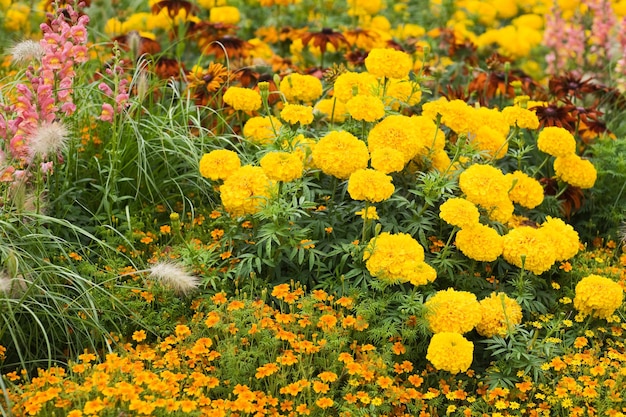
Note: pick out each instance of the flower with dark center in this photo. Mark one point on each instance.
(554, 114)
(173, 7)
(324, 37)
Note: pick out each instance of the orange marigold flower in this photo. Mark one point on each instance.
(327, 376)
(324, 402)
(139, 335)
(219, 298)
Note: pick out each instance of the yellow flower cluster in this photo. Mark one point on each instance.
(459, 212)
(598, 296)
(301, 88)
(401, 133)
(370, 185)
(568, 166)
(520, 117)
(453, 311)
(529, 248)
(245, 191)
(487, 187)
(365, 108)
(282, 166)
(261, 130)
(500, 315)
(297, 113)
(243, 99)
(525, 190)
(219, 164)
(389, 63)
(339, 154)
(564, 238)
(479, 242)
(575, 171)
(334, 109)
(397, 258)
(450, 352)
(228, 15)
(387, 160)
(349, 84)
(493, 143)
(556, 141)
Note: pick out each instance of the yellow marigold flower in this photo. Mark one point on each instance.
(225, 14)
(301, 88)
(529, 248)
(453, 311)
(393, 257)
(282, 166)
(261, 130)
(479, 242)
(485, 116)
(598, 296)
(564, 238)
(484, 185)
(500, 315)
(521, 117)
(245, 190)
(368, 214)
(422, 274)
(244, 99)
(526, 191)
(450, 352)
(404, 91)
(369, 7)
(459, 212)
(339, 154)
(387, 160)
(491, 141)
(435, 108)
(297, 113)
(399, 132)
(349, 84)
(389, 63)
(429, 134)
(456, 114)
(16, 17)
(556, 141)
(370, 185)
(575, 171)
(335, 110)
(366, 108)
(440, 160)
(219, 164)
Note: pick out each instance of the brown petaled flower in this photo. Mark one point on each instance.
(322, 38)
(571, 199)
(210, 30)
(174, 7)
(554, 114)
(591, 125)
(356, 57)
(464, 49)
(571, 85)
(166, 68)
(205, 83)
(230, 46)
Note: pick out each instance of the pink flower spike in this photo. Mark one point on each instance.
(107, 113)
